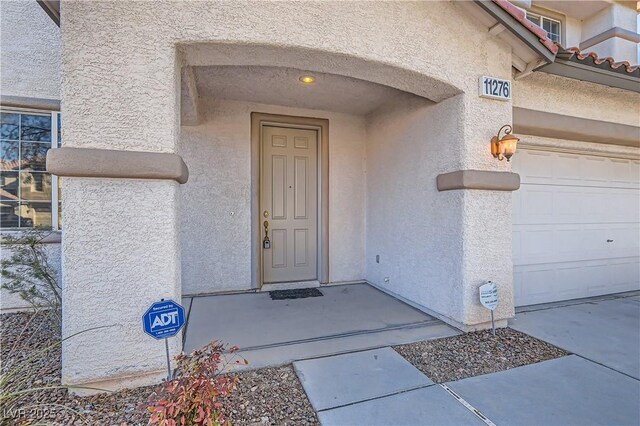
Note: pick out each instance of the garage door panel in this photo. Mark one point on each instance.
(569, 241)
(595, 171)
(567, 209)
(565, 202)
(624, 206)
(625, 242)
(539, 208)
(534, 282)
(541, 283)
(561, 243)
(516, 247)
(537, 167)
(624, 273)
(560, 204)
(566, 169)
(625, 173)
(544, 168)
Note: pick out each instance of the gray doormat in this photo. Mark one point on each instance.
(300, 293)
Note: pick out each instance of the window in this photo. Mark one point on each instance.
(551, 26)
(29, 196)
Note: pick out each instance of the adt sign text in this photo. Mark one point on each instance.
(163, 319)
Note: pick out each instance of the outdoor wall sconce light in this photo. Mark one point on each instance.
(504, 147)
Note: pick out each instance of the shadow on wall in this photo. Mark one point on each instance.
(416, 231)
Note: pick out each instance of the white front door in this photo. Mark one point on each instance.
(576, 221)
(289, 204)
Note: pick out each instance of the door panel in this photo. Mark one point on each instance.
(575, 226)
(289, 193)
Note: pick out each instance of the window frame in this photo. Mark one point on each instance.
(542, 17)
(55, 143)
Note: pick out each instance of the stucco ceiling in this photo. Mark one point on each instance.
(281, 86)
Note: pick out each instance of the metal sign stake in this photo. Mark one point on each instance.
(489, 299)
(166, 346)
(493, 327)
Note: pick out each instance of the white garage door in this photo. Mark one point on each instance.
(576, 226)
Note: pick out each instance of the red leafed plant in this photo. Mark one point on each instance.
(193, 396)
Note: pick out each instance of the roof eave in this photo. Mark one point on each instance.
(51, 8)
(515, 27)
(570, 69)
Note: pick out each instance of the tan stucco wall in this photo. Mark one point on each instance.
(30, 67)
(561, 95)
(216, 202)
(435, 247)
(29, 52)
(617, 14)
(121, 91)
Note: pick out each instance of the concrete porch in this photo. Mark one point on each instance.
(269, 332)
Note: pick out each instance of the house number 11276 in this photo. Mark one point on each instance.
(495, 88)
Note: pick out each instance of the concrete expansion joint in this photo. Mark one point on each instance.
(411, 389)
(601, 364)
(354, 333)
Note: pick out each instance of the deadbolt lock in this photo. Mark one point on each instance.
(265, 213)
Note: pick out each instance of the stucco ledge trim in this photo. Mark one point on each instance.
(105, 163)
(478, 179)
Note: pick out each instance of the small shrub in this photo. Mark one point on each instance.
(193, 397)
(28, 272)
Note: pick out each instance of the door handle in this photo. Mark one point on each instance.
(266, 229)
(609, 241)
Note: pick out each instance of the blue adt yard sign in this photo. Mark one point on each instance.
(163, 319)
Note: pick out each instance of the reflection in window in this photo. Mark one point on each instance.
(551, 26)
(27, 194)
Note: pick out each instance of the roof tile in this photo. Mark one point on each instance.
(521, 17)
(593, 56)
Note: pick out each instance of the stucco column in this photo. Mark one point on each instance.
(121, 247)
(486, 217)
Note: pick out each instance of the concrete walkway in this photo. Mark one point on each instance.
(595, 386)
(377, 387)
(604, 330)
(563, 391)
(274, 332)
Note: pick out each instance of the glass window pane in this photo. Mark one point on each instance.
(35, 128)
(9, 185)
(59, 129)
(34, 155)
(25, 187)
(9, 154)
(534, 18)
(35, 214)
(552, 28)
(35, 186)
(9, 214)
(9, 126)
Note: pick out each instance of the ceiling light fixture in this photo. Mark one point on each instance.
(307, 79)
